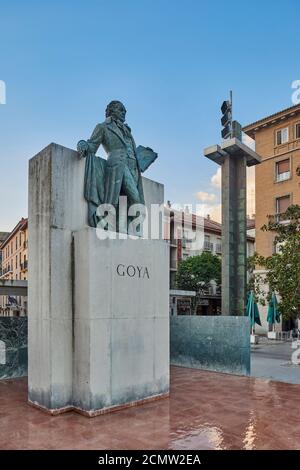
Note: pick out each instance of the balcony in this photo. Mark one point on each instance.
(186, 242)
(6, 270)
(283, 176)
(172, 242)
(207, 246)
(24, 265)
(279, 218)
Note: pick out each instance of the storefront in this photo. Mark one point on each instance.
(181, 302)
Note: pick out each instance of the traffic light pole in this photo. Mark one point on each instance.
(234, 157)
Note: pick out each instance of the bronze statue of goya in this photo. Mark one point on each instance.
(120, 175)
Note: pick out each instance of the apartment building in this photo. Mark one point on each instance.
(3, 236)
(191, 235)
(277, 178)
(14, 251)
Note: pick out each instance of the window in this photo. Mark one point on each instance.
(207, 244)
(282, 203)
(219, 245)
(282, 136)
(297, 131)
(283, 170)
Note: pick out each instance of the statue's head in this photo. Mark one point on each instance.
(117, 110)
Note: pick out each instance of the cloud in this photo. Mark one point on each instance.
(216, 183)
(203, 196)
(216, 179)
(209, 204)
(213, 210)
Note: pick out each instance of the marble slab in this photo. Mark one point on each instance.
(13, 347)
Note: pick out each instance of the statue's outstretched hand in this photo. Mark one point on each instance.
(82, 148)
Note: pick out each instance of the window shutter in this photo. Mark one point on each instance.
(278, 137)
(283, 166)
(282, 204)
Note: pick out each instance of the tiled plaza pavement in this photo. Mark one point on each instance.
(205, 411)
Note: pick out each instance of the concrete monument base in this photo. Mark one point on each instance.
(121, 321)
(90, 329)
(95, 413)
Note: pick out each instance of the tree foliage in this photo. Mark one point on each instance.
(196, 272)
(283, 267)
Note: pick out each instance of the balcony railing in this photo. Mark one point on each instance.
(186, 242)
(172, 242)
(24, 265)
(6, 270)
(280, 218)
(283, 176)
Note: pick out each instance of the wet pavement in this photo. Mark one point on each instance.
(272, 360)
(206, 410)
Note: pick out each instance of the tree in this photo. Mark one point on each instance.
(283, 267)
(256, 280)
(196, 272)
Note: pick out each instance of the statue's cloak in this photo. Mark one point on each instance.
(94, 185)
(103, 179)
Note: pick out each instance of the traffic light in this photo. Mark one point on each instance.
(226, 119)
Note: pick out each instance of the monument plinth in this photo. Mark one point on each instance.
(234, 157)
(121, 321)
(97, 339)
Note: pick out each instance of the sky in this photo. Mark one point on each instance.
(172, 63)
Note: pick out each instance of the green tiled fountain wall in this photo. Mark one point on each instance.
(216, 343)
(13, 347)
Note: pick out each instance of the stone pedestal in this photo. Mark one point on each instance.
(121, 324)
(57, 209)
